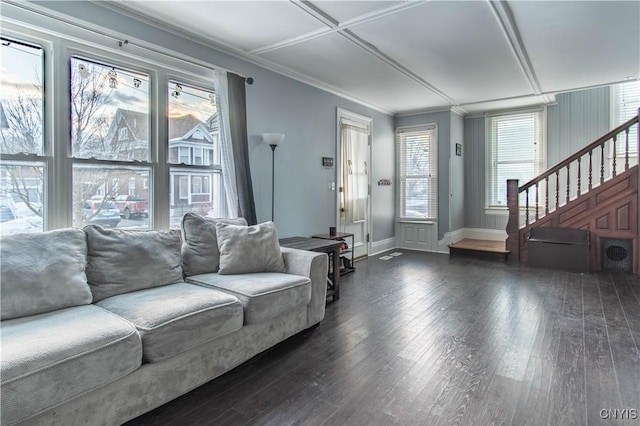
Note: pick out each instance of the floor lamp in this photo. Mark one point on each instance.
(273, 139)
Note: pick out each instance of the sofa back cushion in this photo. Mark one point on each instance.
(200, 254)
(43, 272)
(120, 261)
(249, 249)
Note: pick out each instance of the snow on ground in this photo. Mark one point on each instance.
(24, 224)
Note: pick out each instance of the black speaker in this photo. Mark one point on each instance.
(616, 254)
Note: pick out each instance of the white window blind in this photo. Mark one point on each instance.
(416, 153)
(516, 145)
(626, 104)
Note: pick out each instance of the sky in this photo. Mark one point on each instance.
(21, 67)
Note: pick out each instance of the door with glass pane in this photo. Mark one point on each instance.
(353, 179)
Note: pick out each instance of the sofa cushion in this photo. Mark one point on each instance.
(247, 249)
(120, 261)
(53, 357)
(264, 295)
(200, 253)
(43, 272)
(174, 318)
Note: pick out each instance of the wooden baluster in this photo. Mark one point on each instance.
(568, 182)
(537, 202)
(557, 189)
(579, 177)
(590, 170)
(546, 195)
(526, 206)
(613, 164)
(602, 163)
(626, 150)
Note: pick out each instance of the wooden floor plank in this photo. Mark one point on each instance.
(626, 358)
(602, 390)
(534, 393)
(426, 338)
(567, 402)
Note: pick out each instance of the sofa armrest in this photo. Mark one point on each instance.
(315, 266)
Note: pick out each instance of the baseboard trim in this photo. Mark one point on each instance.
(378, 247)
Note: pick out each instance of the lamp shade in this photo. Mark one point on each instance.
(273, 138)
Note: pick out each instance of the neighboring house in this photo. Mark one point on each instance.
(198, 147)
(128, 135)
(191, 142)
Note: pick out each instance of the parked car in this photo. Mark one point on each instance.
(132, 206)
(104, 213)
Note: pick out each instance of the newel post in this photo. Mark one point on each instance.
(513, 224)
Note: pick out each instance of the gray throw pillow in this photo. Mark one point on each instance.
(121, 261)
(248, 249)
(200, 253)
(43, 272)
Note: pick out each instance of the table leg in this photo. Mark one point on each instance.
(336, 273)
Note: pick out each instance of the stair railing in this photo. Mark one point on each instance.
(591, 166)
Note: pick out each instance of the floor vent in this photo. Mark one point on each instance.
(616, 254)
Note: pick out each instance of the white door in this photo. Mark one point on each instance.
(354, 171)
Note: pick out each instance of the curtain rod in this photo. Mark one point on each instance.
(121, 43)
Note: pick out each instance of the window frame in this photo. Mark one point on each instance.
(540, 164)
(433, 217)
(44, 159)
(106, 58)
(616, 121)
(216, 186)
(60, 41)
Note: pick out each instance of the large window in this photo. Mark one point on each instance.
(23, 162)
(109, 128)
(626, 101)
(102, 145)
(418, 172)
(516, 151)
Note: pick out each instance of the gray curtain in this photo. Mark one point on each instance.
(240, 141)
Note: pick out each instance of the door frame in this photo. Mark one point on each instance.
(367, 121)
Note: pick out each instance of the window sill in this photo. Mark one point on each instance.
(421, 221)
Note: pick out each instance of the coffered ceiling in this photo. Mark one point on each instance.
(410, 56)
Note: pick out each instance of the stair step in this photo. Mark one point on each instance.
(485, 248)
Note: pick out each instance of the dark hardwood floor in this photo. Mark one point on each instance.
(428, 339)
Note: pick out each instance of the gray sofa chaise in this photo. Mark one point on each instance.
(99, 326)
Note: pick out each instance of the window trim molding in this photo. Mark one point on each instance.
(426, 126)
(496, 209)
(62, 40)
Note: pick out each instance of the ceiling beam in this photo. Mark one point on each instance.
(336, 27)
(504, 16)
(331, 24)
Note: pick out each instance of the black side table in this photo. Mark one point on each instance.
(340, 236)
(331, 248)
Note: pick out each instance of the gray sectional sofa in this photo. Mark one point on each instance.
(100, 326)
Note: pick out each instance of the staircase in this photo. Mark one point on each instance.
(596, 189)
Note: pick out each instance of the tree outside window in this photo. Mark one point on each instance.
(23, 165)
